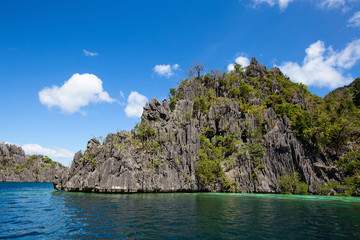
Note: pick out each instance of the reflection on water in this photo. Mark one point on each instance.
(33, 210)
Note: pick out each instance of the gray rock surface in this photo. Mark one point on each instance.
(15, 166)
(166, 161)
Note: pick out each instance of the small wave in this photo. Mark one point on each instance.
(30, 234)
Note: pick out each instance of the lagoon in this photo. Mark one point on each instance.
(35, 210)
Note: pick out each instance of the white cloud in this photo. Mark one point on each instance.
(90, 54)
(324, 67)
(122, 96)
(135, 104)
(243, 61)
(175, 66)
(354, 21)
(345, 5)
(282, 3)
(231, 67)
(163, 70)
(122, 99)
(77, 92)
(331, 3)
(166, 70)
(52, 153)
(270, 2)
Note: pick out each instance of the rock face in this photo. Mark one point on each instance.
(174, 146)
(15, 166)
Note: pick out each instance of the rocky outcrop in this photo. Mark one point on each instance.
(164, 153)
(15, 166)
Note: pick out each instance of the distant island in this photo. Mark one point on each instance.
(251, 130)
(16, 166)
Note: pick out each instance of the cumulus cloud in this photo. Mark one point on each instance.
(135, 104)
(282, 3)
(166, 70)
(231, 67)
(52, 153)
(90, 54)
(77, 92)
(354, 21)
(324, 67)
(243, 61)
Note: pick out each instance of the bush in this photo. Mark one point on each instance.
(209, 162)
(352, 183)
(47, 160)
(201, 104)
(172, 103)
(144, 130)
(19, 168)
(350, 163)
(292, 184)
(208, 169)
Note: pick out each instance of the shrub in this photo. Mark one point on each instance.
(292, 184)
(208, 169)
(144, 130)
(350, 163)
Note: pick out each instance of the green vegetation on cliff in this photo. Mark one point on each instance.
(249, 130)
(327, 126)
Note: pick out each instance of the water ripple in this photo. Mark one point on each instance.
(37, 211)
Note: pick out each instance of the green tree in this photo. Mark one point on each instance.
(292, 184)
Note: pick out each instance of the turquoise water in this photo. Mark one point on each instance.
(36, 211)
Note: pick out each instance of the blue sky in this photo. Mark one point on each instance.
(70, 70)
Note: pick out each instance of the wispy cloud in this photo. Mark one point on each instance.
(324, 67)
(90, 54)
(79, 91)
(331, 3)
(354, 21)
(175, 66)
(324, 4)
(135, 104)
(166, 70)
(283, 4)
(122, 99)
(344, 5)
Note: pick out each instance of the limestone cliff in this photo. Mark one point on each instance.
(15, 166)
(218, 132)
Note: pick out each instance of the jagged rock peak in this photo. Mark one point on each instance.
(255, 69)
(276, 71)
(254, 61)
(155, 110)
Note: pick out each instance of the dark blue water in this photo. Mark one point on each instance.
(36, 211)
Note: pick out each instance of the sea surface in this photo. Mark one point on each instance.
(36, 211)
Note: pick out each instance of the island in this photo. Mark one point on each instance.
(251, 130)
(16, 166)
